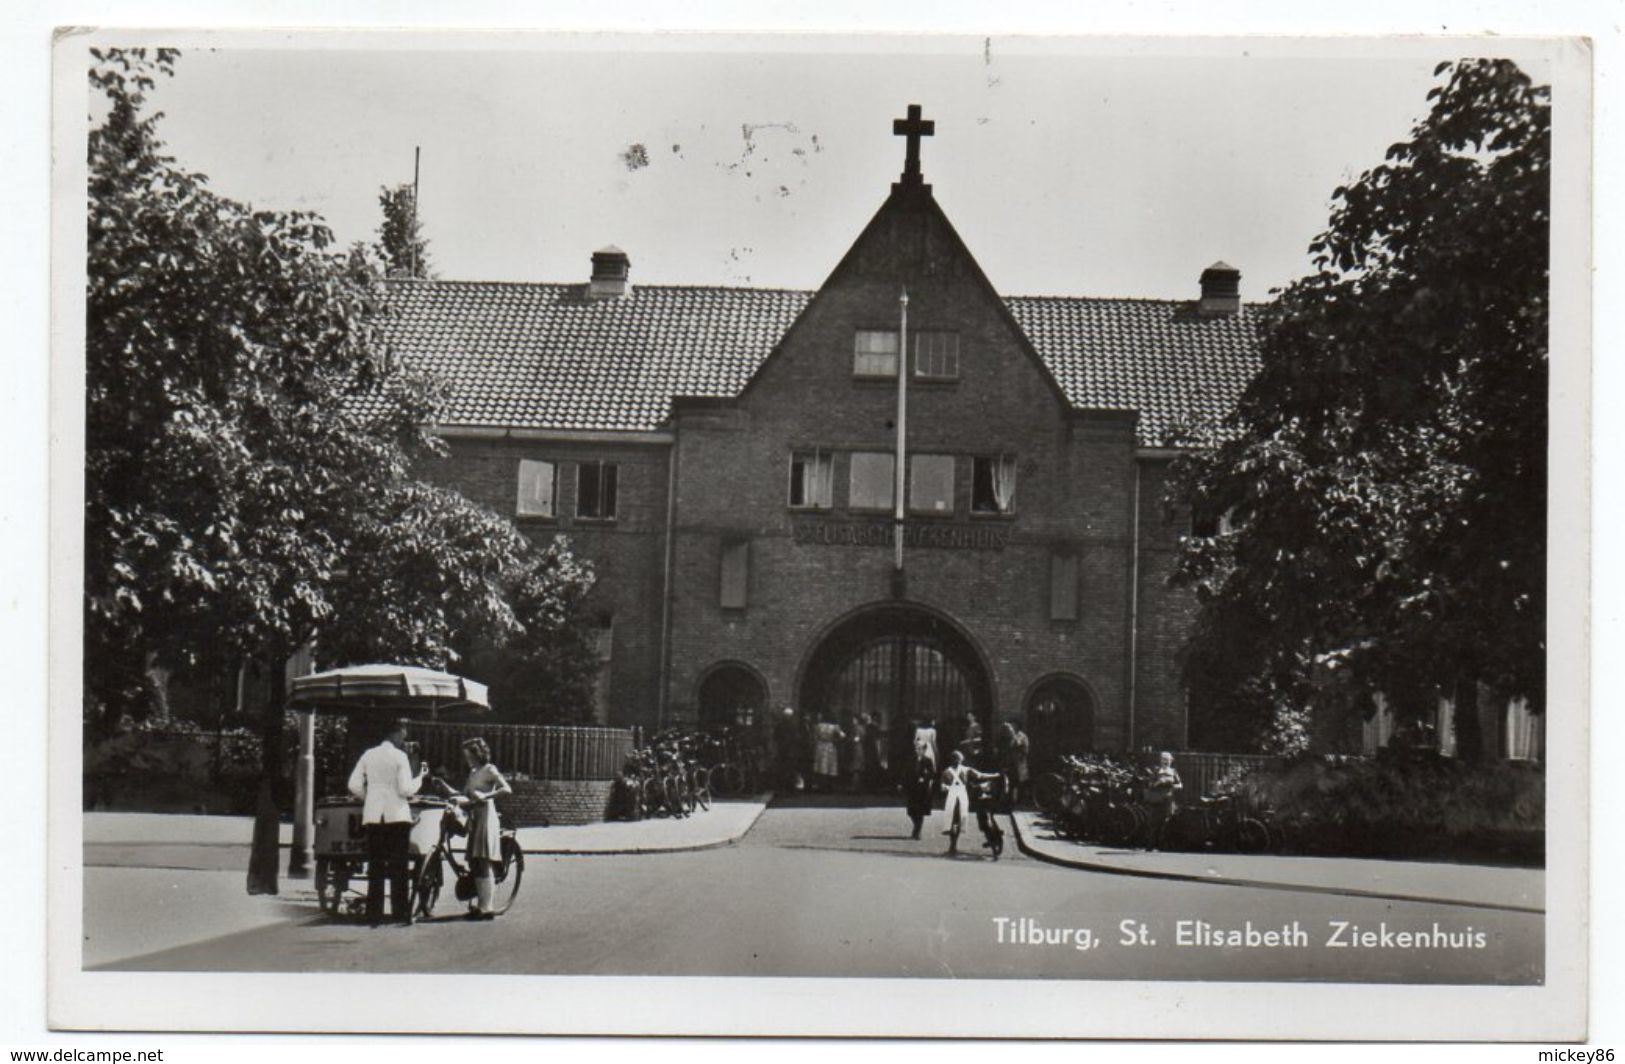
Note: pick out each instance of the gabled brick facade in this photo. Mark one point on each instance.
(711, 579)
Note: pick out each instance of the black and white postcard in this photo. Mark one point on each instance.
(816, 535)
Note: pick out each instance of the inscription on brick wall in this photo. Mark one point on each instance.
(879, 534)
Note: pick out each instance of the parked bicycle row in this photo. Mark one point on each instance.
(680, 771)
(1102, 799)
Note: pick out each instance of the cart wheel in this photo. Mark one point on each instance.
(426, 885)
(330, 884)
(508, 874)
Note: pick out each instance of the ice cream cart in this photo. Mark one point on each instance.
(334, 824)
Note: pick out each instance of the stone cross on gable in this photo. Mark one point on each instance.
(913, 127)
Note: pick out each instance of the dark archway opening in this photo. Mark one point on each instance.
(1060, 720)
(900, 666)
(731, 696)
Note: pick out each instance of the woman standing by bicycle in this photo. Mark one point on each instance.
(485, 784)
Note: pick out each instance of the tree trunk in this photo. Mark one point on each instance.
(1469, 732)
(262, 860)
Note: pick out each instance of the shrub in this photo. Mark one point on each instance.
(1420, 806)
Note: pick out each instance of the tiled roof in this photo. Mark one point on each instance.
(540, 356)
(1157, 356)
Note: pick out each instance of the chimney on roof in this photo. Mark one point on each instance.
(611, 274)
(1221, 291)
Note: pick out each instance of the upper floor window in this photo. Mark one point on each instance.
(874, 354)
(993, 484)
(812, 476)
(873, 480)
(936, 355)
(931, 484)
(596, 490)
(538, 489)
(1208, 521)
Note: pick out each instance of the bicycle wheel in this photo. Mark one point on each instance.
(1047, 792)
(426, 888)
(508, 874)
(1252, 836)
(654, 797)
(1121, 825)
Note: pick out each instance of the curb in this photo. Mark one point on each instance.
(1262, 884)
(714, 844)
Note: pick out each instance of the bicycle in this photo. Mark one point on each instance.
(508, 871)
(1216, 822)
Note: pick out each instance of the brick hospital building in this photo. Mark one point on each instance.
(728, 458)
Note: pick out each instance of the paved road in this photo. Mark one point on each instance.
(815, 890)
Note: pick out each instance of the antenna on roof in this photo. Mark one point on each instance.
(417, 156)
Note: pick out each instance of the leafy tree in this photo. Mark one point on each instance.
(1386, 469)
(250, 447)
(400, 237)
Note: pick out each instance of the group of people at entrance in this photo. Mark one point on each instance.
(866, 753)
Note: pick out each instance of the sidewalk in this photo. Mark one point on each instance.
(723, 823)
(1484, 886)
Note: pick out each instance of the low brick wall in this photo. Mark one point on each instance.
(536, 802)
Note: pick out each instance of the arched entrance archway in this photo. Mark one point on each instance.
(729, 695)
(1060, 720)
(899, 664)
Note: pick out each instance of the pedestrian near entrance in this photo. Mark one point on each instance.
(485, 785)
(987, 801)
(1013, 750)
(826, 754)
(384, 782)
(857, 763)
(921, 789)
(925, 742)
(1162, 798)
(957, 779)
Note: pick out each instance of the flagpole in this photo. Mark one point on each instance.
(902, 426)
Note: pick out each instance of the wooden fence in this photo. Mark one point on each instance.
(547, 752)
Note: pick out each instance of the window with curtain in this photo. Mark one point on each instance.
(936, 355)
(873, 483)
(931, 484)
(538, 488)
(812, 476)
(734, 592)
(597, 491)
(874, 354)
(993, 484)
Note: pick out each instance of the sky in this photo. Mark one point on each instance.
(1068, 168)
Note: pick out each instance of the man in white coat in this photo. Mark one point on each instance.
(384, 782)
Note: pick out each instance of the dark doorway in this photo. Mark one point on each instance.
(731, 695)
(898, 665)
(1060, 720)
